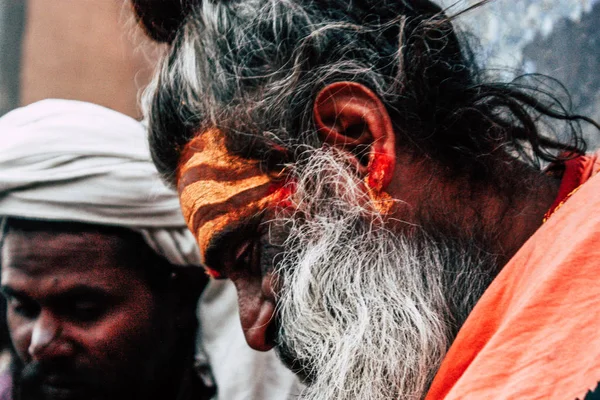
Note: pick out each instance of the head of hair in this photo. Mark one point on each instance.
(161, 19)
(253, 68)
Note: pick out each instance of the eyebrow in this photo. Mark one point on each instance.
(7, 291)
(72, 292)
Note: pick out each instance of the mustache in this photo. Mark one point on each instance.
(35, 374)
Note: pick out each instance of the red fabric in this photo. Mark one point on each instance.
(535, 333)
(577, 172)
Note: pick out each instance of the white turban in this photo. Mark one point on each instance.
(64, 160)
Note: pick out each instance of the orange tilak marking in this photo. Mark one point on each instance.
(217, 189)
(215, 198)
(205, 232)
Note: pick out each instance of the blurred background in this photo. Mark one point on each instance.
(86, 50)
(559, 38)
(92, 50)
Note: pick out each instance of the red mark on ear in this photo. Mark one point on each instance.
(379, 176)
(380, 172)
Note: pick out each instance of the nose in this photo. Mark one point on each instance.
(48, 339)
(257, 309)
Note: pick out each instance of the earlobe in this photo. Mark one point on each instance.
(350, 116)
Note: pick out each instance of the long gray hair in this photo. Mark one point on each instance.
(253, 68)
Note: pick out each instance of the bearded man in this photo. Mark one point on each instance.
(380, 207)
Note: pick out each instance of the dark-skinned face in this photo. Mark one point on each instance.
(83, 325)
(226, 201)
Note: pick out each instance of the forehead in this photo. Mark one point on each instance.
(81, 257)
(210, 175)
(219, 189)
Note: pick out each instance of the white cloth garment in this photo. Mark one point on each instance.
(73, 161)
(241, 373)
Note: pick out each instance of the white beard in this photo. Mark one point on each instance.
(364, 313)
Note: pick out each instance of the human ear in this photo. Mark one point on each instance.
(349, 116)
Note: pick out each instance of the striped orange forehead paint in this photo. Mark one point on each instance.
(218, 189)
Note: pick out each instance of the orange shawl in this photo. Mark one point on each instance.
(535, 333)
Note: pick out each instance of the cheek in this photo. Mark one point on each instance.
(120, 335)
(20, 333)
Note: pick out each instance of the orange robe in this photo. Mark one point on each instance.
(535, 333)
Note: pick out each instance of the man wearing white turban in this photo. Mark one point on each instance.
(93, 245)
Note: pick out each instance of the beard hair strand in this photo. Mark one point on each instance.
(364, 312)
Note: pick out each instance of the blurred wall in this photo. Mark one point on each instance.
(12, 23)
(571, 54)
(92, 50)
(558, 38)
(87, 50)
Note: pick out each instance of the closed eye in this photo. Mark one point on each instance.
(24, 308)
(83, 309)
(19, 303)
(232, 249)
(245, 256)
